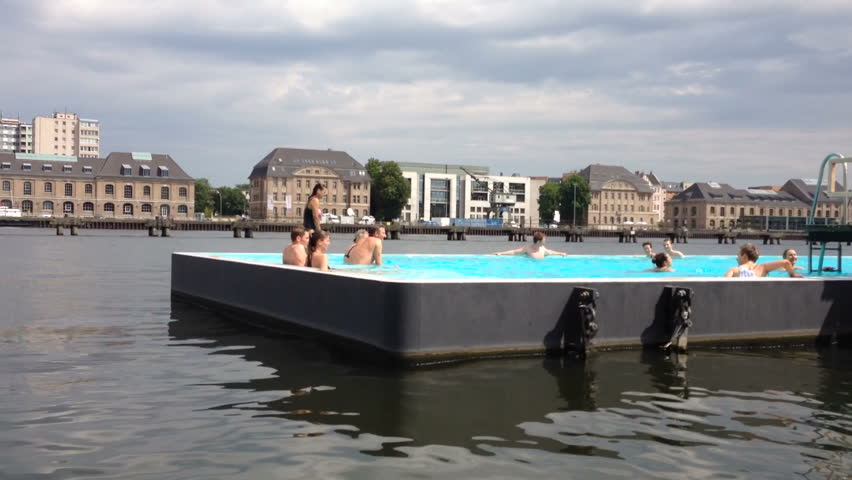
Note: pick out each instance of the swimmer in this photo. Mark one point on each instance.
(791, 255)
(649, 249)
(662, 262)
(536, 250)
(367, 250)
(748, 268)
(297, 252)
(667, 247)
(317, 248)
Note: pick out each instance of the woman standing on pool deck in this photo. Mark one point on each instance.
(312, 208)
(317, 248)
(536, 250)
(747, 268)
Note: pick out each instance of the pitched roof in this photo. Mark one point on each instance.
(284, 162)
(724, 193)
(137, 162)
(676, 187)
(599, 175)
(68, 166)
(805, 189)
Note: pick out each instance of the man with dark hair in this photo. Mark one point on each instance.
(667, 247)
(536, 250)
(368, 250)
(649, 249)
(297, 252)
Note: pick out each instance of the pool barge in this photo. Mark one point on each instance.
(424, 321)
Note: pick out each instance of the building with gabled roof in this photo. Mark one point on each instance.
(619, 197)
(282, 181)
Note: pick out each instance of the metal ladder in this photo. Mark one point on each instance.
(834, 159)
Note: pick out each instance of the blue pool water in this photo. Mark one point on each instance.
(473, 267)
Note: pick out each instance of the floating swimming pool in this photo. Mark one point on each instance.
(481, 267)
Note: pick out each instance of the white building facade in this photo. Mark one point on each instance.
(478, 197)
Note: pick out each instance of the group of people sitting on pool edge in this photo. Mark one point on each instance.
(310, 248)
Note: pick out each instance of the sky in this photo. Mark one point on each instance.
(741, 92)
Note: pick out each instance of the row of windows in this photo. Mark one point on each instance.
(612, 220)
(324, 210)
(109, 189)
(693, 211)
(68, 207)
(616, 208)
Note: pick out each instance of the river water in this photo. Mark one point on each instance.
(102, 376)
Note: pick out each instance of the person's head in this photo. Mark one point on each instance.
(791, 255)
(667, 243)
(319, 238)
(538, 237)
(649, 249)
(380, 233)
(297, 233)
(372, 230)
(319, 190)
(662, 260)
(748, 253)
(361, 233)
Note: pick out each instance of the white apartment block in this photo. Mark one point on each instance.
(410, 211)
(440, 195)
(479, 196)
(66, 134)
(15, 137)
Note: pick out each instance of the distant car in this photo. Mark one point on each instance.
(329, 218)
(367, 220)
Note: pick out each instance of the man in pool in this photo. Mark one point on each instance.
(368, 250)
(667, 247)
(536, 250)
(649, 249)
(297, 252)
(662, 262)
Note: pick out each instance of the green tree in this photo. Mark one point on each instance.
(548, 201)
(389, 190)
(233, 201)
(203, 195)
(574, 193)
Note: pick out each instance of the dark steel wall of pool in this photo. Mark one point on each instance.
(427, 320)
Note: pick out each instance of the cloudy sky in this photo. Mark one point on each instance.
(743, 92)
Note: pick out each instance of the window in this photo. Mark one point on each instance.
(299, 183)
(6, 166)
(109, 189)
(164, 193)
(47, 167)
(28, 188)
(128, 209)
(183, 209)
(7, 186)
(126, 170)
(128, 191)
(69, 190)
(146, 208)
(146, 191)
(87, 169)
(145, 171)
(712, 210)
(108, 207)
(88, 207)
(47, 206)
(27, 206)
(164, 210)
(27, 167)
(182, 192)
(88, 188)
(676, 211)
(751, 211)
(68, 207)
(334, 211)
(66, 168)
(299, 212)
(162, 171)
(712, 223)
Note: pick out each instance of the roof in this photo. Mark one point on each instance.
(599, 175)
(285, 162)
(675, 187)
(71, 167)
(804, 189)
(724, 193)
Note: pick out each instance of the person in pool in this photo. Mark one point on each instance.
(317, 248)
(749, 268)
(791, 256)
(662, 262)
(667, 247)
(297, 252)
(536, 250)
(367, 250)
(649, 249)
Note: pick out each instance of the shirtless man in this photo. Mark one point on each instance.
(536, 250)
(649, 249)
(367, 250)
(667, 247)
(296, 253)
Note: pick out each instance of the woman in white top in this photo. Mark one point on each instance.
(748, 268)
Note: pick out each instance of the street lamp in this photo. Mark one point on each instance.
(219, 192)
(574, 208)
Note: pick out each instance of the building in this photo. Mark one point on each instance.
(658, 199)
(15, 136)
(66, 134)
(535, 192)
(496, 196)
(671, 189)
(123, 185)
(281, 183)
(713, 205)
(619, 197)
(436, 189)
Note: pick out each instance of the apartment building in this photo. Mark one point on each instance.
(282, 181)
(15, 136)
(66, 134)
(124, 185)
(619, 197)
(436, 189)
(496, 196)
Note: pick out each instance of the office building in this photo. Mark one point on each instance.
(15, 137)
(66, 134)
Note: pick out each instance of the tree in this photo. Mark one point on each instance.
(389, 190)
(203, 195)
(548, 201)
(574, 193)
(233, 201)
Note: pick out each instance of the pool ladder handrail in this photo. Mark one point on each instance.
(817, 191)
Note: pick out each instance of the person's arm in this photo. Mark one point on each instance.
(377, 253)
(510, 252)
(733, 272)
(676, 253)
(548, 251)
(767, 267)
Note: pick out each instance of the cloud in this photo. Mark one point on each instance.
(689, 89)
